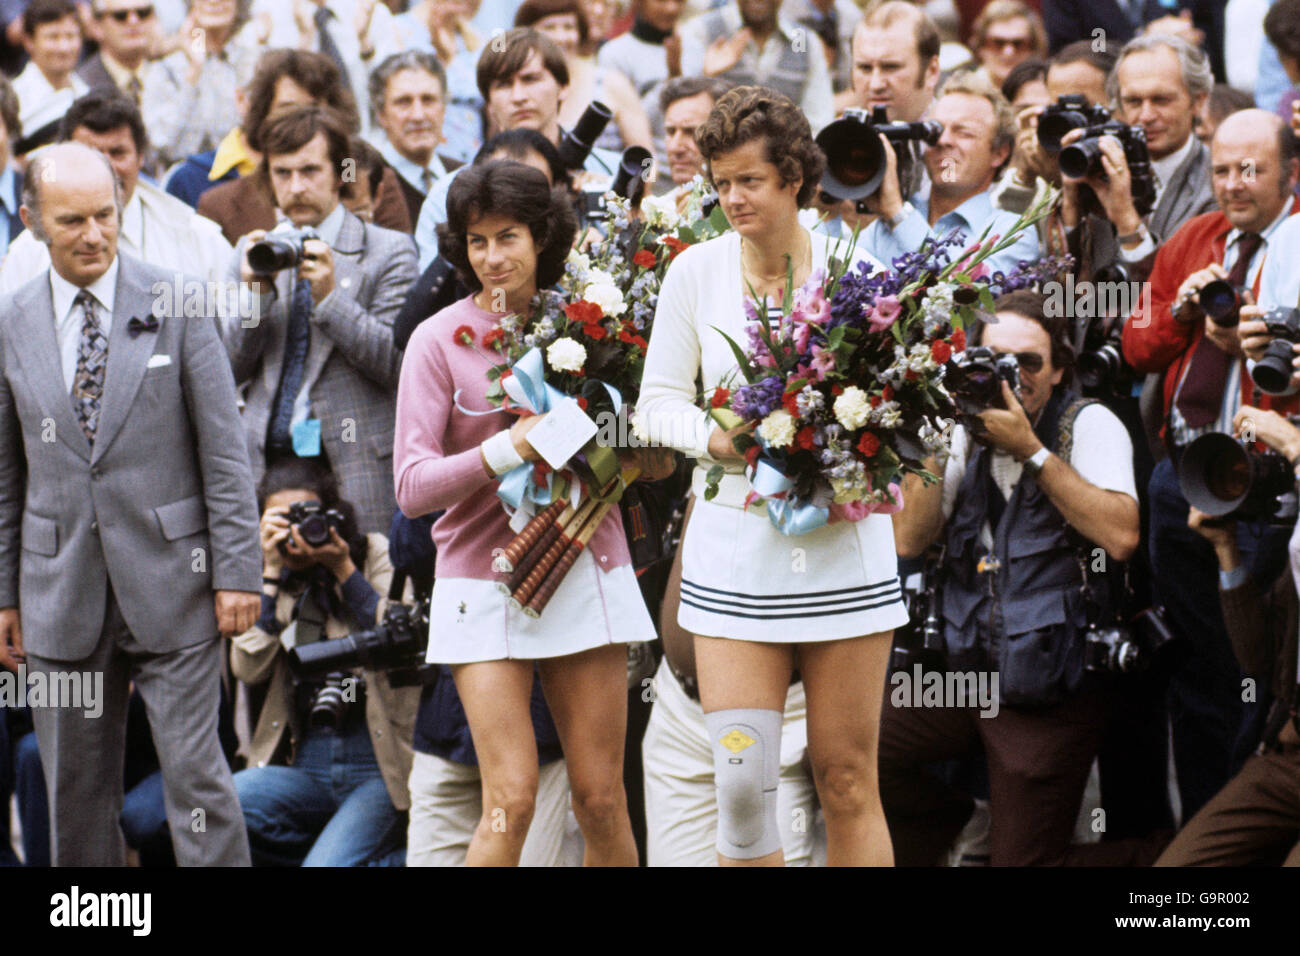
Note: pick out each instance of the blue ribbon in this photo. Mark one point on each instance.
(771, 483)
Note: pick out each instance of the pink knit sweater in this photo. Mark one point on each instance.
(436, 458)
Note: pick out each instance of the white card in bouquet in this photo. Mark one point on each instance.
(562, 433)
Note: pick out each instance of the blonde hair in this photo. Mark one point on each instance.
(974, 83)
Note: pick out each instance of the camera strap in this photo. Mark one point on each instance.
(309, 618)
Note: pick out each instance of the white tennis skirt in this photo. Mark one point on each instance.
(744, 579)
(471, 620)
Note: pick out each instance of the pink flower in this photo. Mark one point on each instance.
(884, 314)
(802, 332)
(857, 510)
(811, 304)
(823, 362)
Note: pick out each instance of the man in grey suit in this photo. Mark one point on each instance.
(126, 501)
(320, 365)
(124, 29)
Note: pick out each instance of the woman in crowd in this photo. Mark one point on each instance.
(565, 22)
(508, 234)
(761, 604)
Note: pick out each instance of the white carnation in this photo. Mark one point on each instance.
(607, 296)
(580, 261)
(566, 355)
(852, 408)
(660, 211)
(777, 429)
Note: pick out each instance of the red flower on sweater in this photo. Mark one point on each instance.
(720, 397)
(493, 338)
(463, 334)
(868, 444)
(645, 259)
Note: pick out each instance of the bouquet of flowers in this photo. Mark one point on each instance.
(584, 343)
(846, 393)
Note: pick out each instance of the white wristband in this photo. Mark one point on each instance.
(500, 454)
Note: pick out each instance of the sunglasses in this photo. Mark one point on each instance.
(1017, 45)
(121, 16)
(1031, 362)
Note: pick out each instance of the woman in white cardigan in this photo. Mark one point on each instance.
(761, 604)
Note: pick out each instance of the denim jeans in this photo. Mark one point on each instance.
(331, 808)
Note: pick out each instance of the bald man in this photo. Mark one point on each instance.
(1254, 170)
(128, 522)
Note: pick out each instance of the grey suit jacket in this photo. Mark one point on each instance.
(163, 508)
(95, 74)
(1188, 193)
(352, 365)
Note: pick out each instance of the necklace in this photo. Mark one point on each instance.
(805, 258)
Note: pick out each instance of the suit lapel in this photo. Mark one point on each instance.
(348, 275)
(41, 357)
(127, 355)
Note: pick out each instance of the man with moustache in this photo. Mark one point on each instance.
(128, 524)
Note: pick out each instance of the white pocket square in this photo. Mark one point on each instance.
(158, 361)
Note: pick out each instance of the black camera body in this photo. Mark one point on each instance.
(576, 143)
(1101, 367)
(396, 645)
(314, 522)
(1273, 372)
(974, 378)
(1146, 644)
(329, 708)
(634, 168)
(920, 641)
(1070, 112)
(1082, 158)
(279, 249)
(855, 158)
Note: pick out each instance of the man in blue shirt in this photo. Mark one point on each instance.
(523, 78)
(11, 181)
(979, 131)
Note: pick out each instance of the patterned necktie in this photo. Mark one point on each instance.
(327, 45)
(133, 88)
(426, 181)
(1201, 396)
(92, 360)
(279, 438)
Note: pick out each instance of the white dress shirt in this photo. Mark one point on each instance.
(69, 318)
(39, 103)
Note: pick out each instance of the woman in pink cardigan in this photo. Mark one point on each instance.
(508, 234)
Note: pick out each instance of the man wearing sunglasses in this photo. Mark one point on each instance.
(1016, 511)
(124, 29)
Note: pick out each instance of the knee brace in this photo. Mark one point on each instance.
(747, 769)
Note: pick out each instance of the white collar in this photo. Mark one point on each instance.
(104, 289)
(408, 170)
(328, 229)
(1268, 230)
(1165, 168)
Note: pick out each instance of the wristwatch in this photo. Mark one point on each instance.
(1034, 463)
(1137, 235)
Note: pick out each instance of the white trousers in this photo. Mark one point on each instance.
(680, 798)
(447, 802)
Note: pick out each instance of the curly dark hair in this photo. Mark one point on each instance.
(508, 188)
(750, 112)
(310, 474)
(1032, 305)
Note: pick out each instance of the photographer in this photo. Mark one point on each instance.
(1255, 818)
(318, 357)
(978, 133)
(345, 744)
(1205, 381)
(1018, 522)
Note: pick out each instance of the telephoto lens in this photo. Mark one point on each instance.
(576, 143)
(1224, 479)
(1221, 301)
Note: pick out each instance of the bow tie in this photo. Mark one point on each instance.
(135, 326)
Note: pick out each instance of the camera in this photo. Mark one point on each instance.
(279, 249)
(314, 522)
(920, 641)
(1147, 645)
(629, 182)
(974, 378)
(1068, 113)
(1101, 367)
(396, 645)
(855, 157)
(576, 143)
(1272, 373)
(1221, 301)
(1226, 480)
(329, 708)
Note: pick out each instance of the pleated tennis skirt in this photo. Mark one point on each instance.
(744, 579)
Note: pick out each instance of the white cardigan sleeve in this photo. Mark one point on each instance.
(667, 411)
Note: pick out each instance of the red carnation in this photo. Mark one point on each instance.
(639, 342)
(676, 245)
(804, 437)
(868, 444)
(493, 338)
(594, 330)
(720, 397)
(837, 389)
(464, 335)
(910, 375)
(790, 402)
(940, 351)
(645, 259)
(875, 401)
(583, 311)
(887, 393)
(958, 339)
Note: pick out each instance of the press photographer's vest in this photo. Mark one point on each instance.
(1018, 609)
